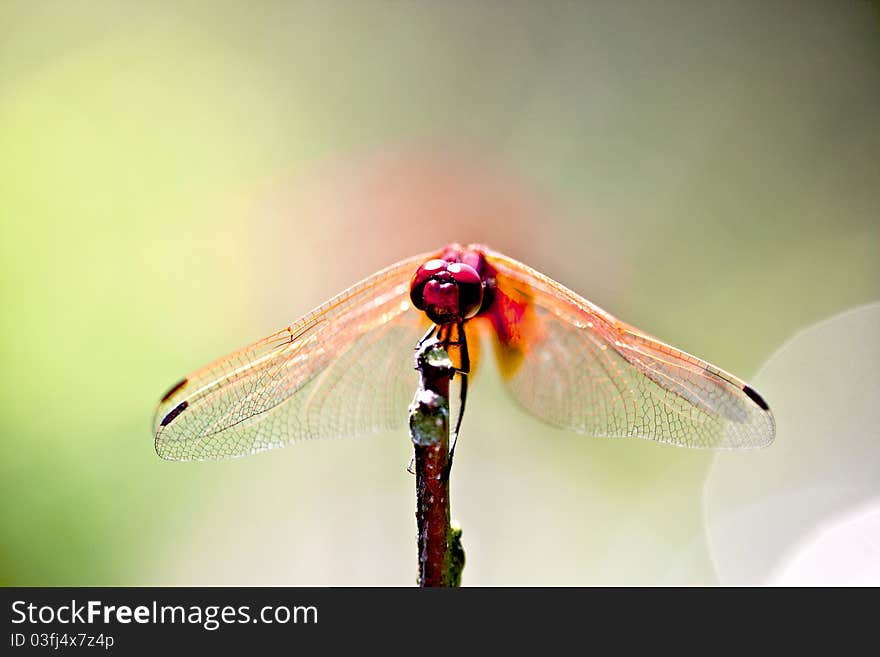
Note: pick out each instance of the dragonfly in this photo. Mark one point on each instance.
(346, 368)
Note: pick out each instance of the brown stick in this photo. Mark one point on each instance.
(441, 557)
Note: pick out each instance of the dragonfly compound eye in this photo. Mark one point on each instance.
(447, 291)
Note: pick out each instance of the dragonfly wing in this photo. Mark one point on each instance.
(345, 369)
(574, 365)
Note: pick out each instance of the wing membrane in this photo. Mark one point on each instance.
(345, 369)
(574, 365)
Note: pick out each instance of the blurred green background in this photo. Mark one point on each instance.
(179, 179)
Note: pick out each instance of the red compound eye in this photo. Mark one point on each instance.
(447, 291)
(470, 288)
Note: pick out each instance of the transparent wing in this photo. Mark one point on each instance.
(343, 370)
(573, 365)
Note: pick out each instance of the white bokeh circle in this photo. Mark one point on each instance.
(782, 515)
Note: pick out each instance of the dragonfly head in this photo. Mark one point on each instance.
(448, 288)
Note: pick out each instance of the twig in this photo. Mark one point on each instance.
(441, 556)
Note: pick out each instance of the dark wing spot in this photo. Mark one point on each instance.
(177, 386)
(752, 394)
(177, 410)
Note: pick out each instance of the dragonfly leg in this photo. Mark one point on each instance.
(462, 342)
(462, 397)
(463, 372)
(427, 336)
